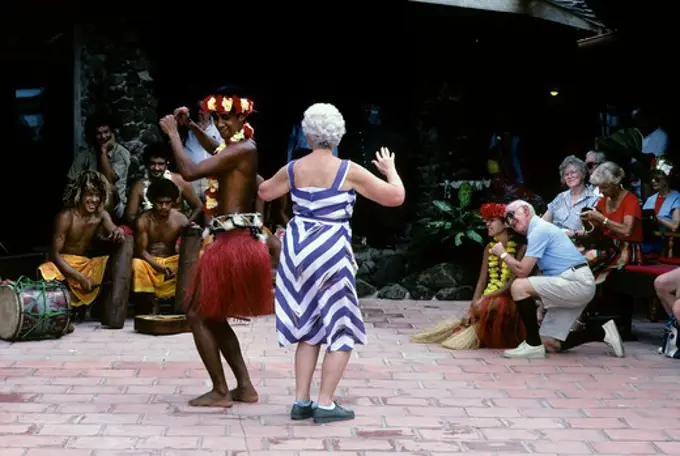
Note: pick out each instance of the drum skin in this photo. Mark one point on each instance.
(34, 310)
(157, 325)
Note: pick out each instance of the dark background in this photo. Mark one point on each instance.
(392, 53)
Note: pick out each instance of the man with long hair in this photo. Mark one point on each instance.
(108, 157)
(83, 217)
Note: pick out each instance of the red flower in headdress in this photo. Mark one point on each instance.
(492, 211)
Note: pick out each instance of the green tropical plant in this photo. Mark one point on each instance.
(624, 145)
(457, 222)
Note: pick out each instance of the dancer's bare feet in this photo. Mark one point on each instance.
(213, 399)
(244, 394)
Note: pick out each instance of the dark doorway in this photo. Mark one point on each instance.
(39, 123)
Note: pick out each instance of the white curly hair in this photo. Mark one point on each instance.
(607, 173)
(323, 125)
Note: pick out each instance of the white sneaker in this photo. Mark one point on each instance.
(613, 338)
(525, 351)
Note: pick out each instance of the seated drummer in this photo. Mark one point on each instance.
(156, 234)
(84, 215)
(156, 159)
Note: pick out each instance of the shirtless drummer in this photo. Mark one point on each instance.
(83, 216)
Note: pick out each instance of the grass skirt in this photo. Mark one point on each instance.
(494, 323)
(232, 278)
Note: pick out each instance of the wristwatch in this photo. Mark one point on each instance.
(503, 255)
(605, 222)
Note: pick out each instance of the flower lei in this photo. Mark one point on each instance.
(246, 132)
(499, 271)
(225, 105)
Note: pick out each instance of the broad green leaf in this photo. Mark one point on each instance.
(464, 195)
(475, 236)
(443, 206)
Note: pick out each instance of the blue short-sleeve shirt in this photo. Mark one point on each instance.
(552, 247)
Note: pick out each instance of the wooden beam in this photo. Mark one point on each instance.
(598, 40)
(535, 8)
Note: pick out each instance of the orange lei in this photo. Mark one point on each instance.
(246, 133)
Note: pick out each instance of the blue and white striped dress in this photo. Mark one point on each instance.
(316, 298)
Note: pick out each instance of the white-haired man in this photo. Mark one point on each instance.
(565, 288)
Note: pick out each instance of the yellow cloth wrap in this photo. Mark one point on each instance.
(148, 280)
(92, 268)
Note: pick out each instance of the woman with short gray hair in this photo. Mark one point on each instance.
(565, 210)
(614, 233)
(316, 298)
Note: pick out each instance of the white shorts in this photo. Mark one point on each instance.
(564, 298)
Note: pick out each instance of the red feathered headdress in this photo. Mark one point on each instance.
(492, 211)
(227, 105)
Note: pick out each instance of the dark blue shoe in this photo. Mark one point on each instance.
(323, 416)
(302, 412)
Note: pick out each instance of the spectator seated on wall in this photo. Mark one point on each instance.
(663, 206)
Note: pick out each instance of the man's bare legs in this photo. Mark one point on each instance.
(231, 350)
(306, 357)
(666, 286)
(334, 364)
(210, 339)
(209, 350)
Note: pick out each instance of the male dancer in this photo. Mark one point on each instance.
(233, 276)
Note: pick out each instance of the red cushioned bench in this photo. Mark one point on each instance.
(623, 288)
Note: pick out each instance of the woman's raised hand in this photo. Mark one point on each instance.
(384, 161)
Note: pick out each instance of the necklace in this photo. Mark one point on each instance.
(499, 271)
(245, 133)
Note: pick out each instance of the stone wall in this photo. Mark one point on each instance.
(116, 76)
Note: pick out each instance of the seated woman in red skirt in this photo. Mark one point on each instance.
(492, 320)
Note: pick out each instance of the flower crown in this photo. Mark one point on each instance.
(227, 105)
(492, 210)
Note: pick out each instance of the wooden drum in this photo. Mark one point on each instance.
(34, 310)
(118, 294)
(189, 250)
(157, 325)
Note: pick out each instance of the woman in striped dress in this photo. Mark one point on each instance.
(316, 299)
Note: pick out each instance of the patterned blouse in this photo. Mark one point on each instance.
(566, 216)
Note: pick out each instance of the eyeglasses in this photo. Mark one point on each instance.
(591, 165)
(509, 215)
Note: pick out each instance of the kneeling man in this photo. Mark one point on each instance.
(84, 214)
(565, 288)
(156, 234)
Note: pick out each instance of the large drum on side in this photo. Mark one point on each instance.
(34, 310)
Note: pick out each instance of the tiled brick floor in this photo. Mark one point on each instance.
(100, 392)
